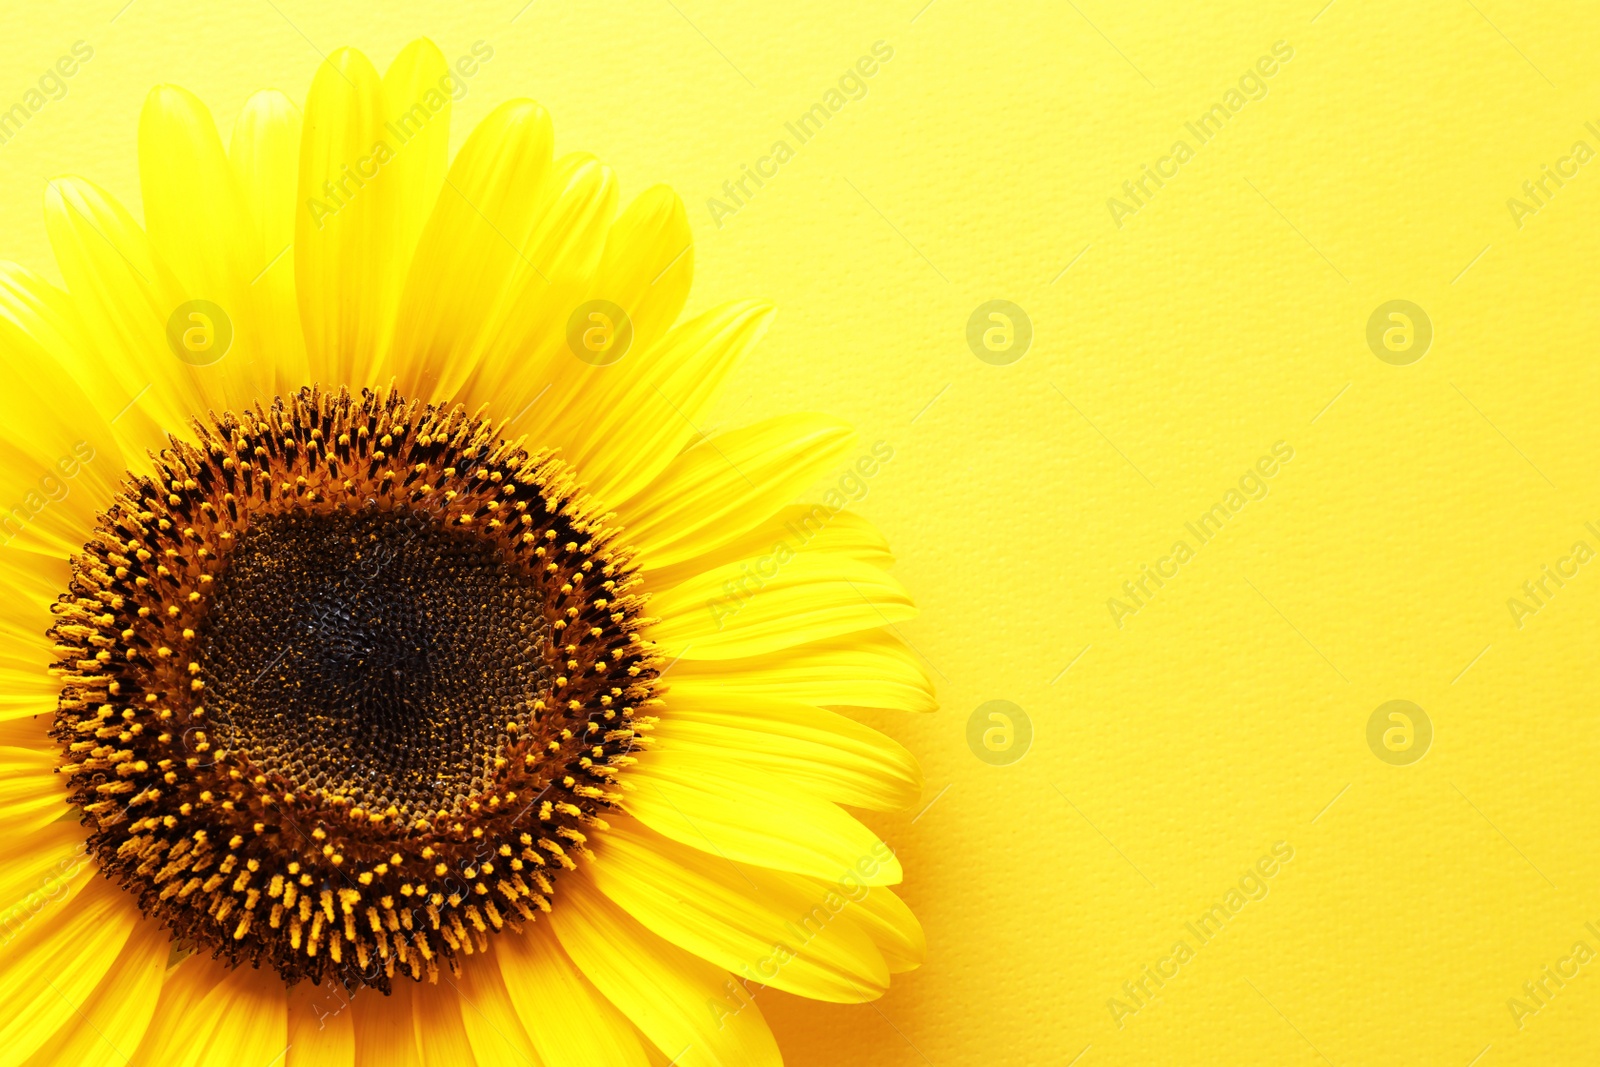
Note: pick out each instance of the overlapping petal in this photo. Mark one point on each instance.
(213, 1015)
(347, 248)
(871, 669)
(764, 926)
(53, 964)
(661, 988)
(720, 806)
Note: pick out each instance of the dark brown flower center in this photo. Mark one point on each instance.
(376, 656)
(345, 689)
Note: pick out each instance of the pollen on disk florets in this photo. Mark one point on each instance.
(346, 686)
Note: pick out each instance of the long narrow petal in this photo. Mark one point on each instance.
(821, 751)
(383, 1026)
(649, 263)
(872, 669)
(181, 990)
(884, 918)
(417, 107)
(664, 990)
(52, 422)
(201, 230)
(750, 817)
(265, 155)
(52, 967)
(493, 1028)
(341, 262)
(469, 256)
(109, 1025)
(31, 793)
(797, 528)
(213, 1015)
(122, 297)
(772, 928)
(193, 207)
(437, 1026)
(630, 419)
(51, 434)
(735, 611)
(646, 272)
(321, 1030)
(726, 485)
(568, 1022)
(43, 872)
(560, 256)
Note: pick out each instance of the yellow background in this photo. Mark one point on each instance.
(1231, 712)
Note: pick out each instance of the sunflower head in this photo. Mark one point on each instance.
(342, 656)
(405, 635)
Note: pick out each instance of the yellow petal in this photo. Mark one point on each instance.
(709, 803)
(265, 156)
(32, 734)
(648, 263)
(821, 751)
(121, 301)
(213, 1015)
(192, 204)
(385, 1034)
(32, 795)
(416, 104)
(646, 272)
(884, 918)
(490, 1017)
(26, 690)
(58, 462)
(341, 262)
(734, 916)
(734, 611)
(51, 421)
(264, 153)
(726, 485)
(798, 528)
(108, 1026)
(872, 669)
(630, 419)
(662, 989)
(251, 1010)
(567, 1020)
(321, 1033)
(436, 1024)
(200, 229)
(50, 968)
(181, 989)
(42, 873)
(469, 256)
(528, 324)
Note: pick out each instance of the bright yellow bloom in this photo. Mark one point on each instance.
(393, 671)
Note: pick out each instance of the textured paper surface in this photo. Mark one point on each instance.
(1169, 354)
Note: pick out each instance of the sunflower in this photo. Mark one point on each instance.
(393, 671)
